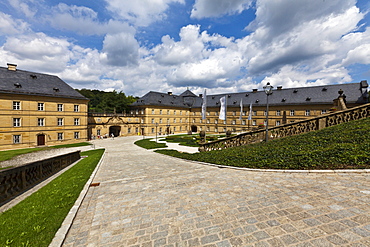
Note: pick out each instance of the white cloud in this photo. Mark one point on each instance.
(84, 20)
(121, 49)
(217, 8)
(140, 13)
(26, 7)
(11, 26)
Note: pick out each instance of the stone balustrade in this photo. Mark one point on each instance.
(14, 181)
(290, 129)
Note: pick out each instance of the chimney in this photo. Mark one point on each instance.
(200, 95)
(12, 67)
(255, 90)
(169, 93)
(279, 87)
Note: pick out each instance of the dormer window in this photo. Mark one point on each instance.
(295, 91)
(308, 99)
(33, 76)
(283, 100)
(247, 95)
(17, 85)
(324, 89)
(56, 89)
(257, 101)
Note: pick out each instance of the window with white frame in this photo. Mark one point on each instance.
(16, 139)
(278, 112)
(60, 107)
(152, 130)
(168, 112)
(152, 120)
(216, 129)
(160, 112)
(208, 121)
(76, 108)
(216, 121)
(254, 123)
(98, 132)
(76, 121)
(152, 111)
(168, 120)
(234, 122)
(180, 120)
(60, 121)
(16, 105)
(174, 112)
(16, 122)
(292, 112)
(41, 122)
(40, 106)
(264, 112)
(76, 135)
(307, 113)
(160, 120)
(234, 113)
(174, 120)
(254, 113)
(174, 129)
(243, 122)
(60, 136)
(128, 130)
(277, 122)
(323, 111)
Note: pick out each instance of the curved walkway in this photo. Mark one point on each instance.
(148, 199)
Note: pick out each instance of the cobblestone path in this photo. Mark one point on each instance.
(148, 199)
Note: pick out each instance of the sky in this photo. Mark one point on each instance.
(224, 46)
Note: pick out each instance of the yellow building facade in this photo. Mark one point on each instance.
(39, 110)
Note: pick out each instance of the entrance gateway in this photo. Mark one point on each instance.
(115, 130)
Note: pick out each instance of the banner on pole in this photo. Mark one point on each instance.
(222, 115)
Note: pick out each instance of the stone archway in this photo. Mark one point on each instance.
(116, 130)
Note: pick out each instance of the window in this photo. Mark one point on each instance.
(136, 130)
(76, 135)
(180, 120)
(216, 121)
(152, 111)
(234, 113)
(160, 112)
(16, 122)
(98, 132)
(41, 122)
(160, 120)
(277, 122)
(307, 113)
(181, 113)
(168, 112)
(254, 123)
(40, 106)
(128, 130)
(216, 129)
(208, 121)
(168, 120)
(152, 130)
(60, 136)
(233, 122)
(60, 107)
(243, 122)
(278, 113)
(264, 112)
(174, 121)
(323, 111)
(292, 112)
(174, 112)
(152, 120)
(76, 121)
(16, 139)
(254, 113)
(76, 108)
(174, 129)
(16, 105)
(60, 121)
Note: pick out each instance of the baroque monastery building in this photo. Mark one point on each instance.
(39, 109)
(166, 113)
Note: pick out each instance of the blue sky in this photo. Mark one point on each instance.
(171, 45)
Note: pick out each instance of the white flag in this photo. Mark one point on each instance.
(241, 109)
(204, 105)
(222, 115)
(250, 112)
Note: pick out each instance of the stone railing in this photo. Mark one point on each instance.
(14, 181)
(291, 129)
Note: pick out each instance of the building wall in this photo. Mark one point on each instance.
(23, 124)
(181, 120)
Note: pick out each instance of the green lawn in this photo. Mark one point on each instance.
(150, 144)
(35, 220)
(345, 146)
(8, 154)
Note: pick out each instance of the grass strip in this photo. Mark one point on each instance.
(8, 154)
(148, 144)
(35, 220)
(344, 146)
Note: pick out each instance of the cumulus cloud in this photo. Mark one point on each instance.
(121, 49)
(140, 13)
(216, 8)
(26, 7)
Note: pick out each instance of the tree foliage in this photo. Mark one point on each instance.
(101, 101)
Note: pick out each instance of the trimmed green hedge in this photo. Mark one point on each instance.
(345, 146)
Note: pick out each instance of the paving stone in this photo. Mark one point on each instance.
(147, 199)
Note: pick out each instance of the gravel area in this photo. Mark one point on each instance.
(40, 155)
